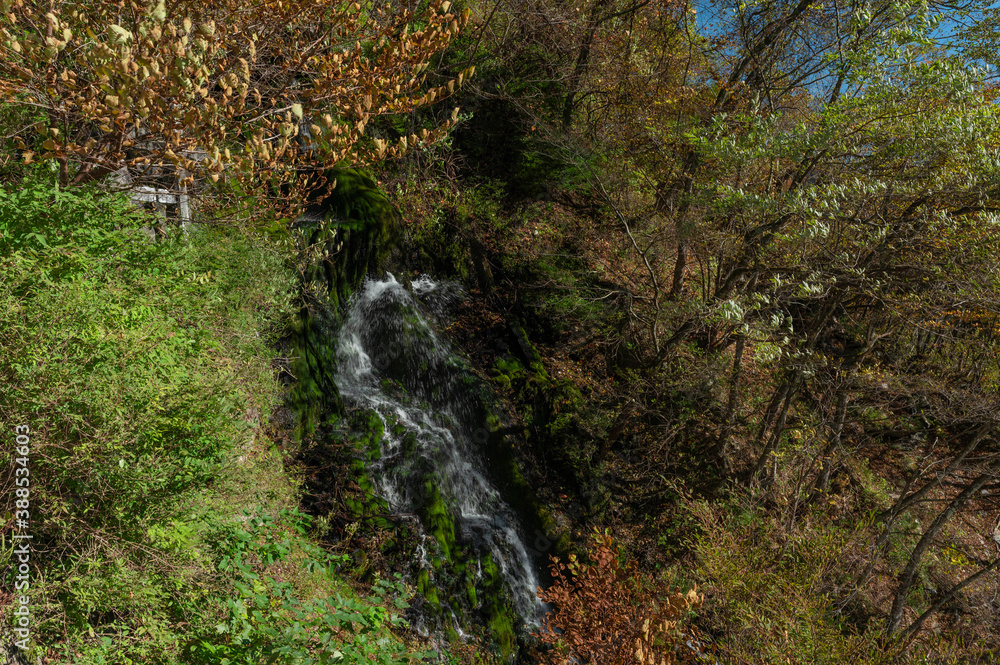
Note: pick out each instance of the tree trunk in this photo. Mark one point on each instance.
(679, 267)
(908, 500)
(582, 61)
(910, 571)
(787, 392)
(915, 626)
(889, 516)
(823, 482)
(720, 450)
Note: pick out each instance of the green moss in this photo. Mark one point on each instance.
(501, 625)
(428, 590)
(313, 398)
(371, 431)
(437, 519)
(470, 592)
(499, 613)
(409, 444)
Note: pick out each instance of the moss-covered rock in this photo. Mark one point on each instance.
(346, 233)
(499, 612)
(436, 516)
(427, 589)
(351, 229)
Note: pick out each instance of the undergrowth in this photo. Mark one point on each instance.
(164, 523)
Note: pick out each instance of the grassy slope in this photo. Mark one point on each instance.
(165, 523)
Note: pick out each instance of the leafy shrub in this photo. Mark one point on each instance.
(608, 613)
(268, 621)
(144, 371)
(773, 602)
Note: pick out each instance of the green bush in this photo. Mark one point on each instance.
(268, 621)
(145, 373)
(773, 602)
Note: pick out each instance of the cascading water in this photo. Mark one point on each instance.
(434, 450)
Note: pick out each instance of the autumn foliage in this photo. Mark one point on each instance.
(259, 91)
(607, 613)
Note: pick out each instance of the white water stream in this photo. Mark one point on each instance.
(386, 335)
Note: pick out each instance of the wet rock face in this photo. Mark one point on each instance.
(402, 346)
(437, 450)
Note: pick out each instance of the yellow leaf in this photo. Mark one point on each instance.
(121, 35)
(159, 13)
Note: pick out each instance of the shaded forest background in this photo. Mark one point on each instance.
(754, 246)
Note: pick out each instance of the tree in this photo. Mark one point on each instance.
(260, 93)
(835, 201)
(850, 236)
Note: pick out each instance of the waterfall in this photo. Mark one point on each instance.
(391, 360)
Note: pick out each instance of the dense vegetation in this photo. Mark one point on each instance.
(731, 268)
(165, 527)
(754, 245)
